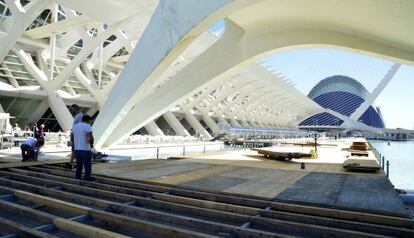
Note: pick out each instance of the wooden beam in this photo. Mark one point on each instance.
(293, 208)
(32, 163)
(208, 204)
(300, 229)
(39, 216)
(51, 202)
(337, 223)
(213, 227)
(93, 201)
(345, 215)
(21, 230)
(85, 230)
(238, 199)
(111, 218)
(128, 198)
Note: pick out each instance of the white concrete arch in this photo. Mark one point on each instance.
(189, 19)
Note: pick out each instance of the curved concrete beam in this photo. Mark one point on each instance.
(235, 50)
(174, 25)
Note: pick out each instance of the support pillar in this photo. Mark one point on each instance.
(234, 122)
(192, 120)
(55, 102)
(175, 124)
(153, 129)
(211, 123)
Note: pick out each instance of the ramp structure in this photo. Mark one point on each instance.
(44, 201)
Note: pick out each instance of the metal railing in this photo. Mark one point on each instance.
(385, 164)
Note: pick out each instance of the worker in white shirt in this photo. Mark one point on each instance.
(82, 144)
(75, 110)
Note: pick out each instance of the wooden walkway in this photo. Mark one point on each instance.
(45, 201)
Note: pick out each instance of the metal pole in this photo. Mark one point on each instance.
(388, 169)
(183, 150)
(158, 152)
(383, 162)
(204, 149)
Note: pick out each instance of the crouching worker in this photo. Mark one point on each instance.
(30, 149)
(83, 143)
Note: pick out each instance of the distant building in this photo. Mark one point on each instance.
(344, 95)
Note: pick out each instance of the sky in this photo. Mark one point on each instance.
(306, 67)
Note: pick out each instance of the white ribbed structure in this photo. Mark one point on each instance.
(154, 64)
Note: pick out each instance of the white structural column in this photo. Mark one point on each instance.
(371, 98)
(196, 125)
(57, 105)
(175, 124)
(158, 47)
(40, 110)
(153, 129)
(234, 122)
(222, 120)
(210, 123)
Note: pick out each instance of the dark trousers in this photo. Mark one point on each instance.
(27, 152)
(83, 159)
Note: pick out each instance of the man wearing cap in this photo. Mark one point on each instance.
(82, 144)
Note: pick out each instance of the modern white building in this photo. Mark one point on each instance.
(155, 66)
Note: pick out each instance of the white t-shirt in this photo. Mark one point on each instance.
(77, 119)
(31, 142)
(80, 136)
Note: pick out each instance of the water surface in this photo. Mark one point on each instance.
(401, 157)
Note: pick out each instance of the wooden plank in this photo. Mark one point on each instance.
(345, 215)
(100, 186)
(107, 181)
(138, 192)
(234, 199)
(196, 211)
(85, 230)
(32, 163)
(301, 229)
(21, 230)
(336, 223)
(126, 198)
(307, 210)
(106, 217)
(182, 221)
(27, 212)
(163, 188)
(242, 232)
(212, 227)
(212, 214)
(208, 204)
(70, 187)
(140, 225)
(51, 202)
(63, 224)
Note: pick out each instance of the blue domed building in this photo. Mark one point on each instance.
(343, 95)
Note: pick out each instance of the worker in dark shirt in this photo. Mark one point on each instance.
(30, 149)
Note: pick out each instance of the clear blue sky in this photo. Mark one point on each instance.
(306, 67)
